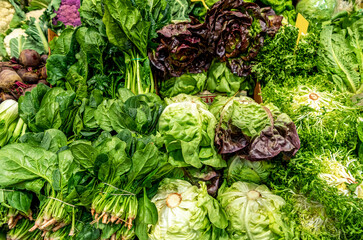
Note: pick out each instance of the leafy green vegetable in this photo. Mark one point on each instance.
(253, 212)
(318, 111)
(221, 79)
(37, 32)
(188, 131)
(44, 108)
(316, 9)
(186, 83)
(185, 212)
(253, 131)
(301, 174)
(18, 200)
(26, 166)
(19, 44)
(137, 113)
(22, 231)
(278, 60)
(243, 170)
(340, 53)
(11, 127)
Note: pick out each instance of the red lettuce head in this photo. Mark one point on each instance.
(182, 49)
(236, 32)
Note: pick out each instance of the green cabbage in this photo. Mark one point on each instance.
(253, 212)
(188, 131)
(186, 212)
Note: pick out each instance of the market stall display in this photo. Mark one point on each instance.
(188, 119)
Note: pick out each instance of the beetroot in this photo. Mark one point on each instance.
(29, 58)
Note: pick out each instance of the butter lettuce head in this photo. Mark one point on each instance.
(185, 212)
(188, 131)
(240, 169)
(253, 212)
(187, 83)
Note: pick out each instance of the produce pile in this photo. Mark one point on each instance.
(106, 132)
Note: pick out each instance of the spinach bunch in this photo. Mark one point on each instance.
(124, 164)
(41, 163)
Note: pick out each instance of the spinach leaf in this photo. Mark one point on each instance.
(131, 22)
(26, 164)
(147, 214)
(16, 199)
(61, 45)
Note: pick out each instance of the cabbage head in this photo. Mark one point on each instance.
(188, 129)
(253, 212)
(316, 9)
(186, 212)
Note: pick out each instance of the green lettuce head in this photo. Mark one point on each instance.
(188, 130)
(316, 9)
(240, 169)
(186, 212)
(253, 212)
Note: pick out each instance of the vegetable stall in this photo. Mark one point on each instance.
(188, 119)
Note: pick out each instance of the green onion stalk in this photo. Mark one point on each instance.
(22, 232)
(54, 215)
(138, 77)
(113, 205)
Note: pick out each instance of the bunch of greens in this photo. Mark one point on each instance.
(41, 163)
(138, 113)
(186, 212)
(321, 113)
(131, 36)
(11, 126)
(124, 164)
(253, 131)
(233, 32)
(14, 206)
(253, 212)
(240, 169)
(22, 232)
(341, 54)
(83, 60)
(280, 59)
(45, 108)
(308, 217)
(188, 129)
